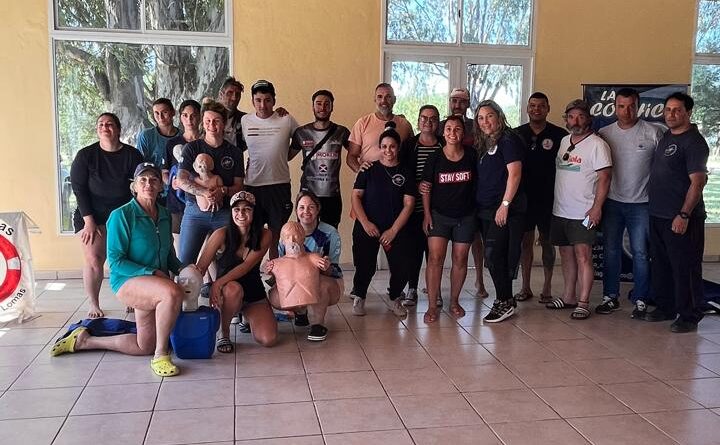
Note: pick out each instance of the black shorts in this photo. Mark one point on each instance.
(459, 230)
(331, 210)
(568, 232)
(79, 222)
(175, 221)
(273, 204)
(540, 218)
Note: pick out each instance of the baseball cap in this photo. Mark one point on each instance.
(147, 166)
(460, 92)
(242, 196)
(579, 104)
(263, 86)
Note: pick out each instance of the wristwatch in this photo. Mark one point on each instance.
(505, 203)
(684, 215)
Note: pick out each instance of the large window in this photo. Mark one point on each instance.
(119, 56)
(432, 46)
(706, 92)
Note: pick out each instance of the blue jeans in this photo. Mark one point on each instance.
(635, 217)
(196, 225)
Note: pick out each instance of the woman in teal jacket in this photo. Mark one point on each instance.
(140, 255)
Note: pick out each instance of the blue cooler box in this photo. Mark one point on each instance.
(194, 333)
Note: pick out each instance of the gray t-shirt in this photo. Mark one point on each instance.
(322, 171)
(632, 152)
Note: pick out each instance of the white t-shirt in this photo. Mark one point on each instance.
(268, 144)
(632, 153)
(575, 178)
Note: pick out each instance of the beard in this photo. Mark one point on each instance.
(322, 118)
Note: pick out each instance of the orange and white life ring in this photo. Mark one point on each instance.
(12, 273)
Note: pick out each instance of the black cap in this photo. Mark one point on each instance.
(263, 86)
(147, 166)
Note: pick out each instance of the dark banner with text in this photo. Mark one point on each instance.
(601, 98)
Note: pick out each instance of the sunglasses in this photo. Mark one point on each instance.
(566, 156)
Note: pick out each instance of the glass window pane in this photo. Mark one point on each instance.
(706, 114)
(707, 39)
(98, 14)
(417, 84)
(501, 83)
(429, 21)
(93, 77)
(185, 15)
(497, 22)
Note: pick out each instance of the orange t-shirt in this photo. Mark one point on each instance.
(367, 131)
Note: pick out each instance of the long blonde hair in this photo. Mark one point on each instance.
(484, 142)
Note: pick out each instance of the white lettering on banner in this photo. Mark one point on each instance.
(645, 110)
(325, 155)
(454, 177)
(16, 277)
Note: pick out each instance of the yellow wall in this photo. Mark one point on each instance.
(304, 46)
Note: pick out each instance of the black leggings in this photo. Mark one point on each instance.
(365, 251)
(502, 249)
(420, 247)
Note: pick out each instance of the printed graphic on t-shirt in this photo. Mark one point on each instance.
(263, 132)
(671, 150)
(547, 144)
(398, 179)
(454, 177)
(227, 162)
(572, 164)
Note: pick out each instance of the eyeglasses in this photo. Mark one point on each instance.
(431, 119)
(566, 156)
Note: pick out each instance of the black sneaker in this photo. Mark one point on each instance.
(301, 319)
(317, 332)
(657, 315)
(640, 310)
(681, 327)
(500, 311)
(608, 305)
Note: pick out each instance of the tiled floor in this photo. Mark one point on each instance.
(538, 378)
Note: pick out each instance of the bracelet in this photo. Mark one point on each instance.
(684, 215)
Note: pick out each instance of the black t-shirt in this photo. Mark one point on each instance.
(492, 171)
(174, 205)
(414, 155)
(453, 183)
(538, 173)
(101, 179)
(385, 189)
(676, 157)
(228, 160)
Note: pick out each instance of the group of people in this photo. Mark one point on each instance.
(476, 183)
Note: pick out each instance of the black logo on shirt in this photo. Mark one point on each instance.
(671, 150)
(227, 162)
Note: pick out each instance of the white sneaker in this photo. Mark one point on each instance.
(397, 308)
(358, 306)
(236, 319)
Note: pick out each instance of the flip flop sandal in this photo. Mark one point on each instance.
(66, 344)
(580, 313)
(224, 345)
(430, 317)
(545, 299)
(457, 310)
(522, 296)
(558, 303)
(164, 367)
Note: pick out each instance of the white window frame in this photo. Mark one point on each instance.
(459, 54)
(142, 36)
(702, 59)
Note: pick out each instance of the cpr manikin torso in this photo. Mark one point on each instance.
(203, 167)
(296, 274)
